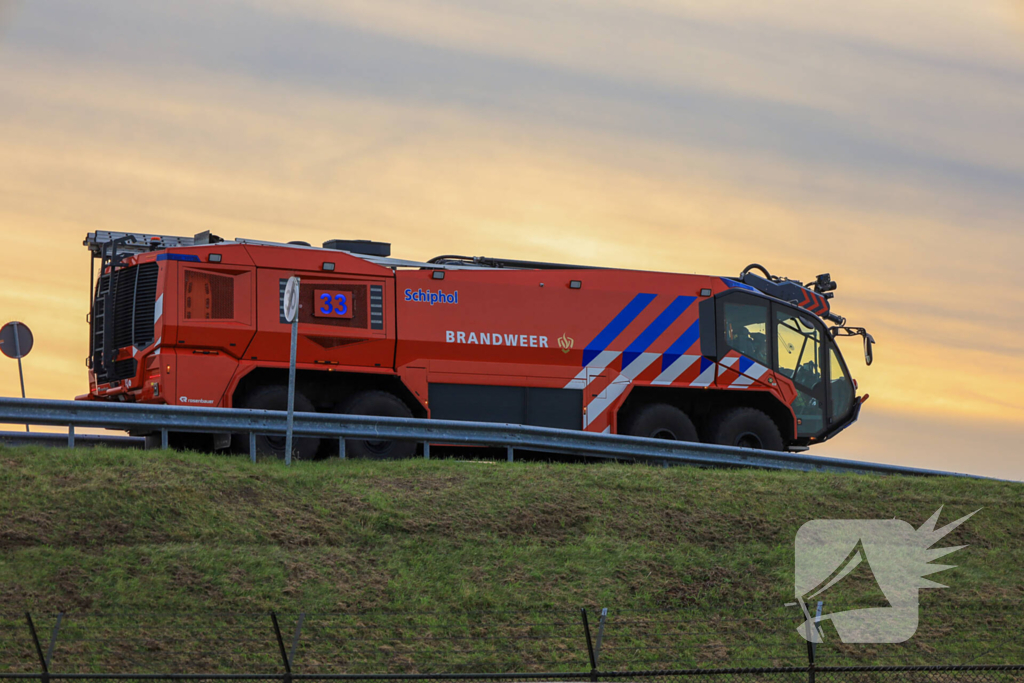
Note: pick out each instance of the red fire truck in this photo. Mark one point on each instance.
(198, 321)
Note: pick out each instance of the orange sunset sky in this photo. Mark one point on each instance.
(881, 141)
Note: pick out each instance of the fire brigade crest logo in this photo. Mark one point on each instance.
(565, 343)
(881, 564)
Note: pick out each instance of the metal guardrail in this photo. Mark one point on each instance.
(56, 439)
(164, 419)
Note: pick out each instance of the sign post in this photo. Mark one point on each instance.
(291, 314)
(16, 341)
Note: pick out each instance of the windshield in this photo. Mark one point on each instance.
(841, 392)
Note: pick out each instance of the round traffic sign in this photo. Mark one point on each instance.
(291, 299)
(15, 340)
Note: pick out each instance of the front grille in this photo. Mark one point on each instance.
(123, 309)
(124, 369)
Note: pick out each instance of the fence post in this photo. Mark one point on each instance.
(600, 637)
(53, 639)
(295, 640)
(817, 629)
(341, 448)
(45, 675)
(252, 447)
(163, 439)
(426, 450)
(590, 645)
(280, 644)
(810, 653)
(509, 454)
(71, 436)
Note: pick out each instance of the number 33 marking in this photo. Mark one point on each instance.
(333, 305)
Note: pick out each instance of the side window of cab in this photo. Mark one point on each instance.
(745, 327)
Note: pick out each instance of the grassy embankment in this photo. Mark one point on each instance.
(488, 563)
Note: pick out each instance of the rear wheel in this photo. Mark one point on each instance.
(661, 421)
(275, 397)
(746, 428)
(380, 404)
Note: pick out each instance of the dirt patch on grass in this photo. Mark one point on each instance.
(547, 523)
(247, 494)
(303, 525)
(691, 586)
(191, 581)
(71, 583)
(671, 525)
(362, 582)
(101, 533)
(25, 530)
(421, 485)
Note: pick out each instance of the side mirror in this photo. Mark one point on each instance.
(868, 353)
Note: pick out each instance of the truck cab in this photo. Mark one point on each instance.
(806, 364)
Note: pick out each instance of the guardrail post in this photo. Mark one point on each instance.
(510, 457)
(252, 447)
(71, 436)
(341, 448)
(163, 439)
(426, 450)
(45, 675)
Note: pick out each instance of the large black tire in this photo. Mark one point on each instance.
(747, 428)
(661, 421)
(275, 397)
(187, 441)
(380, 404)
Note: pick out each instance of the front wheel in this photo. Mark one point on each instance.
(746, 428)
(275, 397)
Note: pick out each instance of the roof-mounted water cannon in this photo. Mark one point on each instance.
(825, 285)
(813, 298)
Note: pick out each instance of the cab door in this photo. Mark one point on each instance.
(799, 341)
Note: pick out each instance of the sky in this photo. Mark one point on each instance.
(879, 141)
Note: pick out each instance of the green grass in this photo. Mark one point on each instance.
(487, 563)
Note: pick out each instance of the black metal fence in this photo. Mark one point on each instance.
(540, 645)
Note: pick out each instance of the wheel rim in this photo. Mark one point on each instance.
(378, 447)
(748, 440)
(666, 434)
